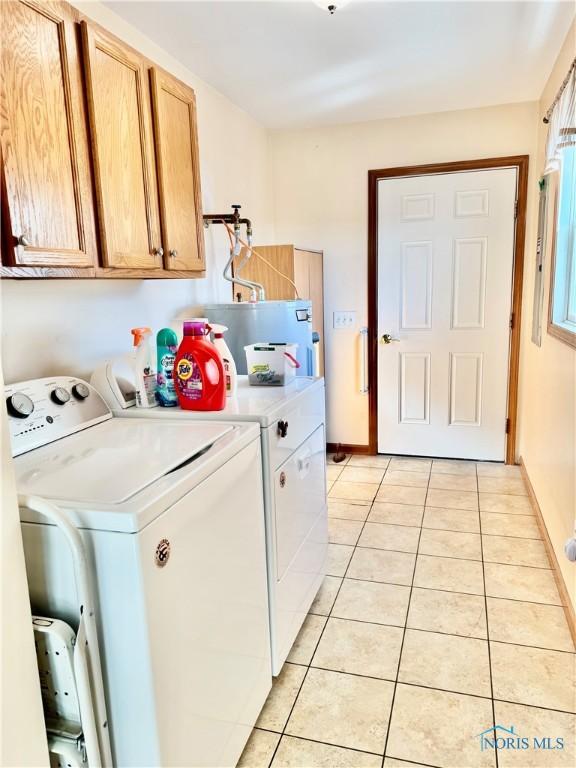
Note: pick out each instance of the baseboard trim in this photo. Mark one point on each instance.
(347, 448)
(558, 577)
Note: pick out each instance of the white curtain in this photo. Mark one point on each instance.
(562, 125)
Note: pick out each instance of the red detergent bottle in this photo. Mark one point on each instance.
(199, 377)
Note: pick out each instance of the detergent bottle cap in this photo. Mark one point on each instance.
(195, 327)
(140, 334)
(219, 330)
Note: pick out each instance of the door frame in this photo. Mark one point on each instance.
(520, 162)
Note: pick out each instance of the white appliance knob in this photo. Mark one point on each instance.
(60, 396)
(80, 391)
(570, 550)
(19, 405)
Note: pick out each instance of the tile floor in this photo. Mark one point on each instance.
(439, 618)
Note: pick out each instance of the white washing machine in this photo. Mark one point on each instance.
(171, 517)
(292, 423)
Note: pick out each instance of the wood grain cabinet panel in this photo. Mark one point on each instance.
(123, 153)
(47, 203)
(176, 142)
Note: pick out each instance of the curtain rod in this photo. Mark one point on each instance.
(546, 118)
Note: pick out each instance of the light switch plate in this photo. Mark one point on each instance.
(344, 320)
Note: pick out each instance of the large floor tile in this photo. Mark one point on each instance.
(372, 650)
(451, 519)
(534, 676)
(345, 710)
(343, 531)
(410, 464)
(452, 499)
(382, 565)
(351, 491)
(516, 582)
(259, 749)
(450, 574)
(508, 503)
(285, 687)
(347, 510)
(402, 494)
(453, 467)
(333, 471)
(399, 477)
(502, 485)
(450, 544)
(446, 482)
(502, 524)
(396, 514)
(324, 600)
(380, 462)
(402, 538)
(307, 639)
(353, 474)
(531, 722)
(438, 728)
(372, 601)
(450, 612)
(491, 469)
(459, 664)
(515, 551)
(544, 626)
(299, 753)
(338, 558)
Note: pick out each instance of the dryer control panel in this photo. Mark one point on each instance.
(43, 410)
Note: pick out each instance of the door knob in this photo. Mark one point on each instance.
(23, 241)
(387, 338)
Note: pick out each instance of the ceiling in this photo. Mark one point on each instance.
(289, 63)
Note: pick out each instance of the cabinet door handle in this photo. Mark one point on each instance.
(23, 241)
(173, 253)
(159, 252)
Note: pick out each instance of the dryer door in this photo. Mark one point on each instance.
(300, 496)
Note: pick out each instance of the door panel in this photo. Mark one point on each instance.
(46, 185)
(120, 119)
(445, 258)
(174, 107)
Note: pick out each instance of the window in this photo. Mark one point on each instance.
(562, 321)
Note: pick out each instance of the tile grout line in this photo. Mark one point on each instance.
(392, 703)
(493, 705)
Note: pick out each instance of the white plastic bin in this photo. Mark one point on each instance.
(270, 364)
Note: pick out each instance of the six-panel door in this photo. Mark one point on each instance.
(123, 153)
(47, 197)
(176, 142)
(445, 257)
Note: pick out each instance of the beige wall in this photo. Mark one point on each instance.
(547, 414)
(320, 181)
(63, 326)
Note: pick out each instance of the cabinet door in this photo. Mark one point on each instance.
(123, 154)
(281, 257)
(47, 198)
(176, 142)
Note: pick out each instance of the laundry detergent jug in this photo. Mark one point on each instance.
(198, 370)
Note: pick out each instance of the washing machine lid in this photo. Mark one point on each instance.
(111, 462)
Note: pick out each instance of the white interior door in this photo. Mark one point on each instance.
(445, 260)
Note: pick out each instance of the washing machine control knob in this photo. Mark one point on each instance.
(80, 391)
(19, 405)
(60, 396)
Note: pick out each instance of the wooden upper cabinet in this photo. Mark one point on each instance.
(123, 153)
(176, 142)
(47, 203)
